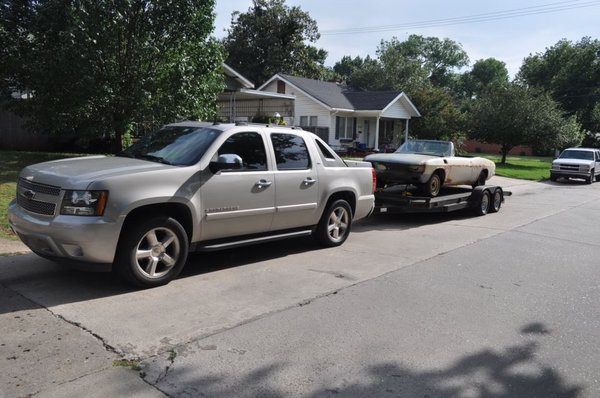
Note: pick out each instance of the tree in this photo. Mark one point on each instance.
(485, 73)
(440, 117)
(515, 115)
(571, 73)
(271, 38)
(101, 67)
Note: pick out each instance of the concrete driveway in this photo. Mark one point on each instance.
(62, 331)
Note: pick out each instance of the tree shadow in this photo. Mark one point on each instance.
(511, 372)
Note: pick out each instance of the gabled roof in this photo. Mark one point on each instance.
(341, 96)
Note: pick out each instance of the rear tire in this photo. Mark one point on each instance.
(334, 227)
(152, 253)
(481, 179)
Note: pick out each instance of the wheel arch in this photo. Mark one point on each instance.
(178, 211)
(348, 196)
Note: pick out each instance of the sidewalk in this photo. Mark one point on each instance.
(12, 246)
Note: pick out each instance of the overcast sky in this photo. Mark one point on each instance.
(509, 30)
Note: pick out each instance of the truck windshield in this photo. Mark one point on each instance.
(436, 148)
(575, 154)
(174, 145)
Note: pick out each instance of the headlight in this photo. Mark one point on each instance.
(584, 167)
(416, 169)
(84, 203)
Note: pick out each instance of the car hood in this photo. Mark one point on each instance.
(400, 158)
(78, 173)
(572, 161)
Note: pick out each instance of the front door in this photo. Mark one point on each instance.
(239, 200)
(297, 185)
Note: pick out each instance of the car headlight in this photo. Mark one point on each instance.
(84, 203)
(416, 169)
(584, 167)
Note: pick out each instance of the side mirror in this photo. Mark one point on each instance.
(226, 161)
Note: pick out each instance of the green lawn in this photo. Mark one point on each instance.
(11, 163)
(522, 167)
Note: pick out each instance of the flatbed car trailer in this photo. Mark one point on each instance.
(482, 199)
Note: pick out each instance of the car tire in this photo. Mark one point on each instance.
(553, 178)
(483, 204)
(153, 252)
(590, 179)
(335, 224)
(433, 186)
(481, 179)
(496, 201)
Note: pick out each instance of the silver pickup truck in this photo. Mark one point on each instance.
(189, 186)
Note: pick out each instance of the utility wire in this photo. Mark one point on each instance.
(485, 17)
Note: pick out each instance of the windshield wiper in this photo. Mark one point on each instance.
(155, 159)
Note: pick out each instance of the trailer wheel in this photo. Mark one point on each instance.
(334, 227)
(483, 204)
(496, 201)
(433, 186)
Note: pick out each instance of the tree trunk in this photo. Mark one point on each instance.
(504, 151)
(119, 129)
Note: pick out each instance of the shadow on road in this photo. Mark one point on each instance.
(512, 372)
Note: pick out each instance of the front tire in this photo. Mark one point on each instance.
(590, 179)
(433, 186)
(334, 227)
(152, 253)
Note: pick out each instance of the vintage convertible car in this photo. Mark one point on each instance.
(429, 165)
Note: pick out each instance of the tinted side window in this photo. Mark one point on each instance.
(290, 152)
(250, 147)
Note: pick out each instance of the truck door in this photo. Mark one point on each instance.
(296, 183)
(241, 199)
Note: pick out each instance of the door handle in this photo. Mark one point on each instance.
(263, 184)
(309, 181)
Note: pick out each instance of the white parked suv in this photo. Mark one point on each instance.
(577, 163)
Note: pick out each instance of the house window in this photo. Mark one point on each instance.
(308, 121)
(345, 128)
(280, 87)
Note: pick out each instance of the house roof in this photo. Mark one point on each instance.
(341, 96)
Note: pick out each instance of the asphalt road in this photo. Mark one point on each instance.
(506, 305)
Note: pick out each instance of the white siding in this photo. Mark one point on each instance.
(396, 111)
(306, 106)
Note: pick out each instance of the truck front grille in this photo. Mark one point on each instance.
(568, 167)
(37, 198)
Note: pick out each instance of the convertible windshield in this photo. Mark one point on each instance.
(423, 147)
(174, 145)
(575, 154)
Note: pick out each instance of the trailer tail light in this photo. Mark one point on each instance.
(374, 180)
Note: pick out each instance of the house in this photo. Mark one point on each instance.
(240, 102)
(344, 116)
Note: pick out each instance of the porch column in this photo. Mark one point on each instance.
(377, 133)
(406, 131)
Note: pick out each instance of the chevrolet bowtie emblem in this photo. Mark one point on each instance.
(28, 193)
